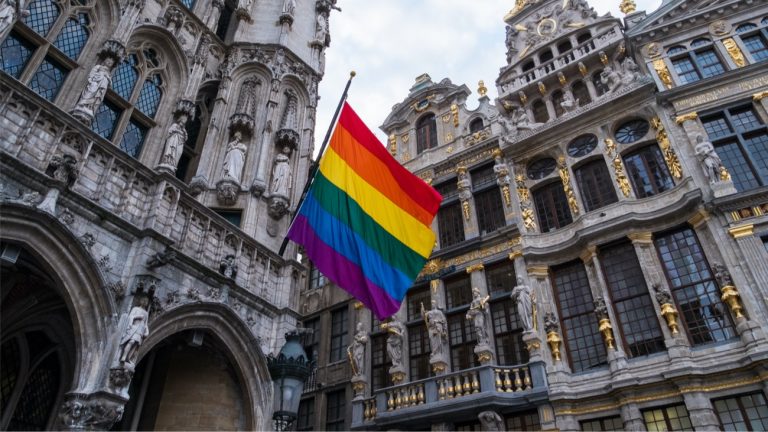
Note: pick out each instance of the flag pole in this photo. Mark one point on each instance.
(314, 166)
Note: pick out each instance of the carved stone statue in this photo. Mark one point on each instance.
(356, 351)
(491, 421)
(99, 80)
(478, 314)
(437, 327)
(134, 335)
(289, 7)
(395, 343)
(521, 295)
(710, 161)
(8, 14)
(611, 79)
(235, 158)
(174, 144)
(321, 30)
(569, 103)
(228, 267)
(631, 71)
(722, 275)
(281, 174)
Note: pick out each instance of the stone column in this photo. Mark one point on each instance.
(632, 417)
(206, 169)
(677, 344)
(755, 257)
(540, 284)
(701, 412)
(617, 359)
(212, 20)
(467, 201)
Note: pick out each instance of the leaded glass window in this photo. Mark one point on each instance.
(603, 424)
(672, 418)
(490, 210)
(48, 79)
(755, 39)
(415, 299)
(418, 351)
(582, 145)
(339, 334)
(133, 138)
(150, 95)
(552, 207)
(632, 131)
(741, 140)
(525, 421)
(336, 410)
(700, 62)
(380, 362)
(595, 185)
(42, 15)
(694, 288)
(73, 36)
(15, 52)
(461, 337)
(450, 224)
(742, 413)
(648, 172)
(500, 278)
(508, 333)
(38, 397)
(541, 168)
(125, 76)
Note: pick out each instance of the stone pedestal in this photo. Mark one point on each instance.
(397, 373)
(723, 188)
(90, 411)
(533, 345)
(750, 332)
(358, 386)
(484, 354)
(439, 365)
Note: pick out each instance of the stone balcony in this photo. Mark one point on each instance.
(512, 81)
(451, 397)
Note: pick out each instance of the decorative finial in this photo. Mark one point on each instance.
(627, 6)
(481, 89)
(352, 74)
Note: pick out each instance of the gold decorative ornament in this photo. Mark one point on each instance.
(515, 254)
(450, 149)
(528, 219)
(523, 97)
(358, 386)
(393, 145)
(583, 69)
(446, 118)
(699, 218)
(522, 189)
(561, 78)
(610, 147)
(670, 157)
(546, 27)
(438, 367)
(724, 174)
(448, 137)
(670, 315)
(627, 6)
(686, 117)
(663, 72)
(474, 268)
(653, 50)
(553, 339)
(432, 266)
(404, 138)
(482, 90)
(757, 97)
(565, 177)
(357, 305)
(542, 88)
(730, 296)
(606, 329)
(455, 114)
(742, 231)
(519, 5)
(603, 58)
(621, 178)
(465, 209)
(397, 378)
(532, 346)
(505, 191)
(434, 284)
(484, 357)
(735, 52)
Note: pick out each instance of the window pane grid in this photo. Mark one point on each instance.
(418, 351)
(603, 424)
(73, 36)
(149, 99)
(48, 79)
(508, 333)
(339, 333)
(648, 172)
(595, 185)
(500, 278)
(462, 341)
(306, 415)
(743, 412)
(426, 133)
(15, 52)
(125, 78)
(673, 418)
(133, 139)
(527, 421)
(756, 46)
(631, 300)
(552, 207)
(685, 69)
(42, 15)
(335, 410)
(450, 224)
(105, 120)
(415, 299)
(458, 292)
(490, 210)
(709, 63)
(694, 288)
(380, 362)
(574, 299)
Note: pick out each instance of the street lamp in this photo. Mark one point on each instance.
(288, 370)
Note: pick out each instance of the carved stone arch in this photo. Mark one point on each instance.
(78, 280)
(244, 352)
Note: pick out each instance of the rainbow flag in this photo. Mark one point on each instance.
(365, 222)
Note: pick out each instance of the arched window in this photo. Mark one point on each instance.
(582, 145)
(631, 131)
(540, 113)
(581, 93)
(564, 47)
(552, 207)
(137, 89)
(65, 26)
(583, 37)
(595, 185)
(755, 40)
(528, 66)
(545, 56)
(541, 168)
(557, 100)
(426, 133)
(225, 19)
(476, 125)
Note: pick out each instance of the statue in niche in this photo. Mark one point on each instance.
(611, 79)
(356, 351)
(234, 158)
(321, 30)
(710, 161)
(521, 295)
(569, 103)
(99, 80)
(478, 314)
(246, 104)
(174, 144)
(281, 174)
(437, 326)
(491, 421)
(289, 7)
(395, 342)
(134, 335)
(631, 71)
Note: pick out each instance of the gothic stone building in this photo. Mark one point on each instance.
(152, 151)
(610, 208)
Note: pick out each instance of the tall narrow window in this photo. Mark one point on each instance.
(742, 412)
(306, 417)
(336, 410)
(507, 327)
(450, 224)
(426, 133)
(525, 421)
(461, 335)
(339, 334)
(741, 140)
(490, 210)
(648, 172)
(316, 279)
(540, 113)
(672, 418)
(225, 18)
(557, 100)
(418, 340)
(64, 27)
(583, 342)
(311, 339)
(380, 362)
(693, 287)
(595, 185)
(581, 93)
(634, 310)
(552, 207)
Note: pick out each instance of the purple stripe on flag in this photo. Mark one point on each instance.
(342, 271)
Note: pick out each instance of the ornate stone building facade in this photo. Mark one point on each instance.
(602, 255)
(151, 153)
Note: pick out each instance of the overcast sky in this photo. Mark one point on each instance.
(391, 42)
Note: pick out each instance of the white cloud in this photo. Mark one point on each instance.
(390, 42)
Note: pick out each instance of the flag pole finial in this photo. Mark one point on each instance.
(352, 74)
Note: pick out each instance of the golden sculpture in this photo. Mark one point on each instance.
(670, 157)
(627, 6)
(553, 339)
(522, 189)
(482, 90)
(686, 117)
(724, 174)
(621, 178)
(603, 58)
(583, 69)
(757, 97)
(606, 329)
(730, 296)
(507, 195)
(542, 88)
(610, 146)
(565, 176)
(465, 209)
(561, 78)
(663, 72)
(393, 145)
(528, 219)
(735, 52)
(523, 97)
(670, 315)
(455, 114)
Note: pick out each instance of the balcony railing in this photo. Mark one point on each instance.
(440, 395)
